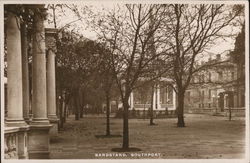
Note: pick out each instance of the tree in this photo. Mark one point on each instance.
(194, 28)
(107, 82)
(127, 31)
(77, 59)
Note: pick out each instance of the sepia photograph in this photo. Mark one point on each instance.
(141, 81)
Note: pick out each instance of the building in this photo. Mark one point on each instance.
(158, 95)
(25, 136)
(216, 88)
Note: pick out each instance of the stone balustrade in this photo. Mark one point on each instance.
(11, 143)
(15, 142)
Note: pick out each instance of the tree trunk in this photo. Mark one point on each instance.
(108, 114)
(76, 106)
(61, 113)
(180, 109)
(65, 112)
(81, 103)
(125, 144)
(81, 112)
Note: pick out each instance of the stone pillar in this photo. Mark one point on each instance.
(51, 92)
(39, 96)
(39, 127)
(14, 71)
(154, 99)
(174, 100)
(25, 73)
(225, 101)
(167, 95)
(14, 85)
(158, 96)
(131, 100)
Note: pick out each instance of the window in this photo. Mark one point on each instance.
(209, 94)
(202, 95)
(163, 98)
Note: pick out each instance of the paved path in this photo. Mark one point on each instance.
(204, 137)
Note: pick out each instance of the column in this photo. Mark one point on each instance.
(225, 101)
(39, 127)
(25, 73)
(132, 100)
(129, 102)
(174, 99)
(154, 99)
(158, 96)
(14, 71)
(167, 96)
(51, 92)
(14, 85)
(39, 96)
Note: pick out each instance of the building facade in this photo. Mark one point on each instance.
(216, 89)
(159, 95)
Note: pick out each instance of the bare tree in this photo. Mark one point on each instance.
(194, 28)
(128, 31)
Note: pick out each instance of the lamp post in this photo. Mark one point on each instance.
(230, 103)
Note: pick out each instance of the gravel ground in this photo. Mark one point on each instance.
(204, 137)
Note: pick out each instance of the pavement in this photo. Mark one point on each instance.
(204, 137)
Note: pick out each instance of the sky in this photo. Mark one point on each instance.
(220, 46)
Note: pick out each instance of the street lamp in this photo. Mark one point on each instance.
(229, 95)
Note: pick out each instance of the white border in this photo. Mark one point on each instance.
(247, 122)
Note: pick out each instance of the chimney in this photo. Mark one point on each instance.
(218, 57)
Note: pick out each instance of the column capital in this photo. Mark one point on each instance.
(39, 10)
(50, 39)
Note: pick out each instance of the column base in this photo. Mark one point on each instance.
(39, 122)
(54, 129)
(15, 123)
(39, 140)
(54, 122)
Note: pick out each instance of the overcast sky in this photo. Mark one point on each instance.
(220, 46)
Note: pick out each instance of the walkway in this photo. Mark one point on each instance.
(204, 137)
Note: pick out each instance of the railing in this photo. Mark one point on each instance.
(170, 106)
(146, 106)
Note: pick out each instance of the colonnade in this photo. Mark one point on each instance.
(156, 99)
(33, 133)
